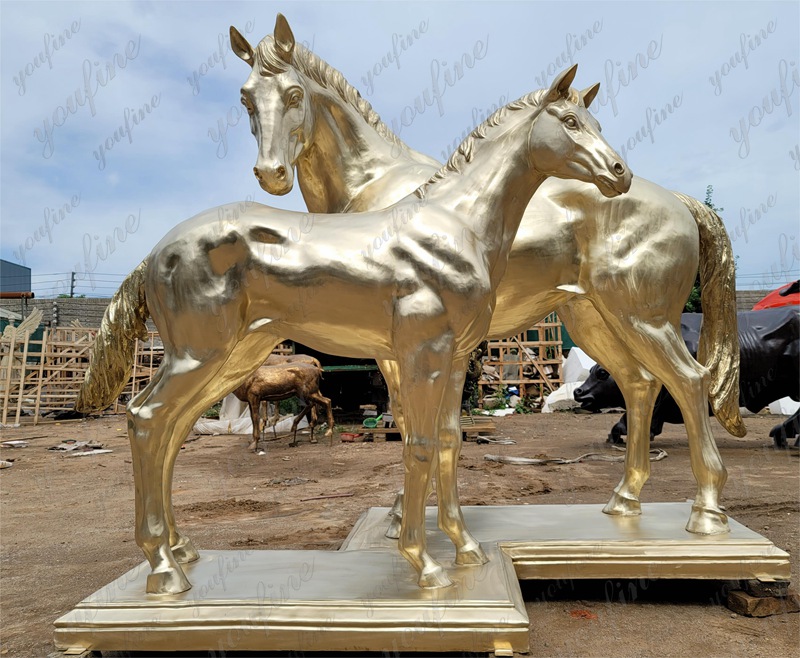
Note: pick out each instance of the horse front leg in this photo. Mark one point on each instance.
(390, 372)
(451, 519)
(254, 402)
(424, 372)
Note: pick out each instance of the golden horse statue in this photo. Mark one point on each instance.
(224, 292)
(600, 262)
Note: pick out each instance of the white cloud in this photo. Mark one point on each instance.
(170, 167)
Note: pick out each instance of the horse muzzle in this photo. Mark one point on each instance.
(617, 182)
(277, 180)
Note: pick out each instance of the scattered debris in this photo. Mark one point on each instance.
(290, 482)
(655, 456)
(84, 453)
(79, 447)
(343, 495)
(14, 444)
(6, 464)
(350, 437)
(582, 614)
(498, 440)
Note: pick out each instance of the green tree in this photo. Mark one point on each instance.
(695, 304)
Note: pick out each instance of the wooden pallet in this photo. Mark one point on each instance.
(531, 361)
(43, 375)
(471, 428)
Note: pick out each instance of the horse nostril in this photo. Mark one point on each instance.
(257, 173)
(280, 172)
(619, 169)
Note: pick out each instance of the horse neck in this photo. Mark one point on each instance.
(493, 191)
(346, 155)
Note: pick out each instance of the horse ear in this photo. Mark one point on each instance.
(560, 86)
(241, 46)
(284, 39)
(589, 93)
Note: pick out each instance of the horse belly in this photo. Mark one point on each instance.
(345, 320)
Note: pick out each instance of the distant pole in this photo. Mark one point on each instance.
(72, 284)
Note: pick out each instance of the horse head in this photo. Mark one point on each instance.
(566, 140)
(277, 99)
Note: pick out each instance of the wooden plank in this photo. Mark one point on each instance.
(45, 335)
(23, 367)
(9, 366)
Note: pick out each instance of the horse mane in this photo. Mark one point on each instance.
(464, 153)
(270, 63)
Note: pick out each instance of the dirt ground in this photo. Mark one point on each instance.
(67, 524)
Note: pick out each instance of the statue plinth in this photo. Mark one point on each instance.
(306, 601)
(579, 541)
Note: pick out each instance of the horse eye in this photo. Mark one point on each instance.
(571, 122)
(294, 99)
(602, 374)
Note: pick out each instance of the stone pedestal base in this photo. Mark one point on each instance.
(305, 601)
(579, 541)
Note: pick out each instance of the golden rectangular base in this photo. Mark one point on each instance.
(579, 541)
(305, 601)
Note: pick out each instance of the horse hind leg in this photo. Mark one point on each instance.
(235, 369)
(640, 394)
(325, 403)
(157, 428)
(663, 352)
(303, 412)
(590, 331)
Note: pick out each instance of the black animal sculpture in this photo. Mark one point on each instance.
(769, 343)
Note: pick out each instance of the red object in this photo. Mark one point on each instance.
(783, 296)
(582, 614)
(17, 295)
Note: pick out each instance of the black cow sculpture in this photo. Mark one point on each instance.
(769, 344)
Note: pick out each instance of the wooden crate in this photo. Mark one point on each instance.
(532, 360)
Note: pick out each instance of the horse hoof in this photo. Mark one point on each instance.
(185, 552)
(707, 522)
(172, 581)
(393, 531)
(471, 557)
(434, 578)
(621, 506)
(314, 441)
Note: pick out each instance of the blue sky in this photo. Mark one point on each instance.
(718, 82)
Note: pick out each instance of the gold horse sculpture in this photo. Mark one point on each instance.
(223, 293)
(617, 270)
(273, 383)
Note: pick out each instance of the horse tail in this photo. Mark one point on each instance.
(114, 348)
(718, 348)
